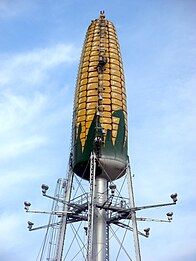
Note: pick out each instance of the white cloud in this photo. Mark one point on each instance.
(17, 113)
(18, 110)
(23, 110)
(18, 147)
(33, 66)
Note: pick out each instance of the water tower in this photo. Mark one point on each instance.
(98, 157)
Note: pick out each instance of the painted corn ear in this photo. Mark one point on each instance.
(100, 113)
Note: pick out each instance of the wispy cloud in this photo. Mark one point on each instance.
(16, 110)
(33, 66)
(18, 135)
(18, 147)
(15, 179)
(21, 104)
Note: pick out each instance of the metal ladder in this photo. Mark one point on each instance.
(107, 243)
(91, 208)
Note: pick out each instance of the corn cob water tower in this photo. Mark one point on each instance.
(98, 157)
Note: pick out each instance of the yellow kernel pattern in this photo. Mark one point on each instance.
(112, 80)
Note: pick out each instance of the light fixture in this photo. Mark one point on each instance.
(44, 188)
(27, 205)
(169, 215)
(174, 197)
(30, 225)
(147, 231)
(112, 188)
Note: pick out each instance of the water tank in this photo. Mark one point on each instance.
(100, 112)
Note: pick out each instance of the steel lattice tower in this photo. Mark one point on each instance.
(98, 156)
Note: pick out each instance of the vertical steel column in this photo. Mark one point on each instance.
(133, 215)
(100, 226)
(62, 230)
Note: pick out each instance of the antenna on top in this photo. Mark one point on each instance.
(102, 14)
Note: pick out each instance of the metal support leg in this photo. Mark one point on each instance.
(133, 215)
(62, 230)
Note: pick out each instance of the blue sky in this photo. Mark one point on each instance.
(40, 48)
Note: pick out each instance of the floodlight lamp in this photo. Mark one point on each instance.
(112, 188)
(169, 216)
(27, 205)
(147, 231)
(44, 188)
(174, 197)
(30, 225)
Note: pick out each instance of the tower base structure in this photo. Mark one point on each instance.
(100, 210)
